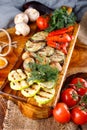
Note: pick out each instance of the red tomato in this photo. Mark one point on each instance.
(79, 115)
(70, 97)
(42, 22)
(80, 85)
(61, 113)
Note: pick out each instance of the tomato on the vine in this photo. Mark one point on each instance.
(42, 22)
(61, 113)
(79, 115)
(70, 97)
(80, 85)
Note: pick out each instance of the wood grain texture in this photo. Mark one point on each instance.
(14, 57)
(78, 61)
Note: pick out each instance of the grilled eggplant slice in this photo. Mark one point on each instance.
(39, 36)
(31, 91)
(16, 75)
(19, 85)
(46, 51)
(34, 47)
(44, 96)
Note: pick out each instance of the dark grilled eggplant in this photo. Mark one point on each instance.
(39, 37)
(43, 9)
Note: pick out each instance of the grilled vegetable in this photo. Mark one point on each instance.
(26, 62)
(44, 96)
(25, 55)
(63, 38)
(61, 31)
(43, 9)
(39, 36)
(33, 47)
(63, 46)
(59, 56)
(31, 91)
(19, 85)
(47, 85)
(16, 75)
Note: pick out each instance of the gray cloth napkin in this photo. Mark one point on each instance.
(7, 15)
(9, 8)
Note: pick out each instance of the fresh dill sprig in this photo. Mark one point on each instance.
(42, 72)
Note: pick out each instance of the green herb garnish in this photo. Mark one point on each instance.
(42, 72)
(60, 19)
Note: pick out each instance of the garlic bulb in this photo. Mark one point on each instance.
(22, 28)
(33, 14)
(22, 17)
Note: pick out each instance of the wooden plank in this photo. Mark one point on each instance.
(65, 67)
(15, 57)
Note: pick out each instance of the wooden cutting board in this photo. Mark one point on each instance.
(14, 59)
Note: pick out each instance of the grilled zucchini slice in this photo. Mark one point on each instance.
(31, 91)
(49, 84)
(44, 96)
(39, 36)
(16, 75)
(19, 85)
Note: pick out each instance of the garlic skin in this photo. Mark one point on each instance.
(21, 17)
(33, 14)
(22, 29)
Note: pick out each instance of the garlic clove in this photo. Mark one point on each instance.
(21, 17)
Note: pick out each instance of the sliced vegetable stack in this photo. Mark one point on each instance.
(31, 86)
(17, 79)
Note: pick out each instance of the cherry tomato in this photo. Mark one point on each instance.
(70, 97)
(80, 85)
(79, 115)
(42, 22)
(61, 113)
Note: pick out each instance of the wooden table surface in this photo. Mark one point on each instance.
(78, 64)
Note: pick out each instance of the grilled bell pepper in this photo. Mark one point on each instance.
(61, 31)
(59, 46)
(60, 38)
